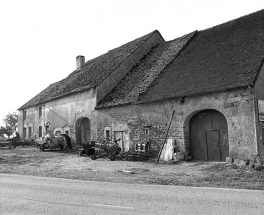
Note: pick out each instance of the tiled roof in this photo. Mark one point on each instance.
(90, 75)
(226, 56)
(145, 72)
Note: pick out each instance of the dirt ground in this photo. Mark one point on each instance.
(63, 164)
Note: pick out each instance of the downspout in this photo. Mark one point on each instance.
(33, 128)
(255, 119)
(44, 127)
(23, 135)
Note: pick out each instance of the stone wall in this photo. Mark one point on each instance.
(236, 106)
(150, 121)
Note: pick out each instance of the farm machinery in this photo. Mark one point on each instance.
(112, 150)
(106, 149)
(50, 141)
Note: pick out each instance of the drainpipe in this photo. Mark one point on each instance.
(255, 108)
(23, 124)
(44, 127)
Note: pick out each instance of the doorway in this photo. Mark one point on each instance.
(209, 136)
(124, 139)
(83, 130)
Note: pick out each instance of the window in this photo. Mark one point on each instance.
(25, 132)
(40, 111)
(58, 133)
(29, 132)
(24, 114)
(146, 131)
(107, 133)
(40, 131)
(47, 128)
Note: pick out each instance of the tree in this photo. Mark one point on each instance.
(11, 121)
(8, 131)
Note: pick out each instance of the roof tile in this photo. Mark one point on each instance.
(145, 72)
(223, 57)
(90, 75)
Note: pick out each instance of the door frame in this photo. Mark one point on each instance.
(122, 139)
(223, 134)
(78, 129)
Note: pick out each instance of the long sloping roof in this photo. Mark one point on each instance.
(90, 75)
(226, 56)
(145, 72)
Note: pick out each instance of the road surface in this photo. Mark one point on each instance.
(38, 195)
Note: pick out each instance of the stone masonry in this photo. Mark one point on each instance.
(236, 106)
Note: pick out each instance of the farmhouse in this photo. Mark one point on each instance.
(213, 80)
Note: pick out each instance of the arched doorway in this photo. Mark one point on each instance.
(83, 130)
(209, 136)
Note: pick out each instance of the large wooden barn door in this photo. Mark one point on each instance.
(209, 136)
(85, 131)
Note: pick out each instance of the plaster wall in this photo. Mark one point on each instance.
(236, 106)
(60, 114)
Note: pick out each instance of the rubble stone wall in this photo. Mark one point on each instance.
(236, 106)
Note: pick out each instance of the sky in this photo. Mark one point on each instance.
(40, 39)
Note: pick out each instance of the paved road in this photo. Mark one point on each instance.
(36, 195)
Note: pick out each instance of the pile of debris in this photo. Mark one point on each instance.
(254, 164)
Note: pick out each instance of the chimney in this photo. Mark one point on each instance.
(79, 61)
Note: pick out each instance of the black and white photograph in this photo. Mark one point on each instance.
(131, 107)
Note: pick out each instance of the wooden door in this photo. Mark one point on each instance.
(118, 135)
(219, 123)
(213, 149)
(85, 131)
(124, 140)
(209, 136)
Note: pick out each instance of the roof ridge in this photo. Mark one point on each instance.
(223, 57)
(145, 72)
(86, 64)
(151, 34)
(94, 74)
(233, 20)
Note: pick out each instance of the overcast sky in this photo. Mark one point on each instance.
(40, 39)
